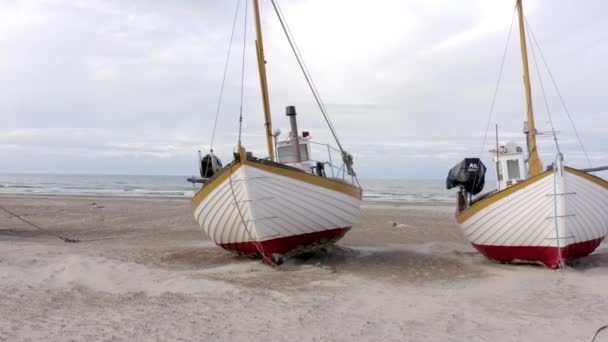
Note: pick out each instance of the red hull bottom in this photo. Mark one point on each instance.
(287, 245)
(547, 255)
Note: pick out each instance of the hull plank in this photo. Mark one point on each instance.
(256, 211)
(554, 212)
(285, 245)
(546, 255)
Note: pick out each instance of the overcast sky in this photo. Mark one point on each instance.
(131, 87)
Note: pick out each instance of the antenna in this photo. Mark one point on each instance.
(275, 134)
(497, 161)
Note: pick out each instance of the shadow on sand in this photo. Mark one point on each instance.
(399, 264)
(201, 258)
(599, 259)
(388, 263)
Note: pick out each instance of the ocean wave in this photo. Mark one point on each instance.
(176, 186)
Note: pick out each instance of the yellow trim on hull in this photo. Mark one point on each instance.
(214, 183)
(484, 203)
(597, 180)
(326, 183)
(335, 185)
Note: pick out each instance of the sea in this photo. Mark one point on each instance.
(177, 186)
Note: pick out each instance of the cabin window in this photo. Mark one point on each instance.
(499, 171)
(513, 168)
(287, 154)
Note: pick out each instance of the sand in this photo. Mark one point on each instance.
(144, 271)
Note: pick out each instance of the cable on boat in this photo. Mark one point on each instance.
(304, 68)
(542, 88)
(256, 243)
(65, 239)
(219, 103)
(559, 94)
(241, 216)
(243, 74)
(502, 64)
(556, 170)
(230, 180)
(346, 157)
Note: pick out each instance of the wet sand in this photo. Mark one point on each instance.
(144, 271)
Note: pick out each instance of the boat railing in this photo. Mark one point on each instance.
(333, 154)
(334, 166)
(595, 169)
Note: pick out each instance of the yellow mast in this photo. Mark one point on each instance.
(535, 165)
(259, 44)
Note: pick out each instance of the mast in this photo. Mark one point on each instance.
(259, 45)
(535, 165)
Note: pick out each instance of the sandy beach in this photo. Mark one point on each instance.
(144, 271)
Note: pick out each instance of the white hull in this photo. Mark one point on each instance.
(259, 211)
(564, 212)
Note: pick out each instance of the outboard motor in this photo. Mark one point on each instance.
(469, 173)
(210, 165)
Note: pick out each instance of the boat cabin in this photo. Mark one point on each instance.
(510, 165)
(287, 154)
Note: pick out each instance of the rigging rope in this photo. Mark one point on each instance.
(254, 240)
(243, 73)
(297, 50)
(346, 157)
(502, 64)
(65, 239)
(239, 211)
(559, 94)
(219, 103)
(542, 88)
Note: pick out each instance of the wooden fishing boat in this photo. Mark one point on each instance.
(280, 205)
(549, 216)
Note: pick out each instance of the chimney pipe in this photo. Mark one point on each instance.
(290, 111)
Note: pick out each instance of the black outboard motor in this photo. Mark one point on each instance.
(469, 173)
(210, 165)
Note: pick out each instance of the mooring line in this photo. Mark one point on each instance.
(598, 331)
(65, 239)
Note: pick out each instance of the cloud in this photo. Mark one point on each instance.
(132, 87)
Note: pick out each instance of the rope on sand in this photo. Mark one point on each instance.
(65, 239)
(598, 331)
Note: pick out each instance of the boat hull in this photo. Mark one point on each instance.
(264, 209)
(547, 255)
(557, 215)
(285, 245)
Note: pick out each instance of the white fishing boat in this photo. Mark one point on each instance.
(548, 216)
(284, 203)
